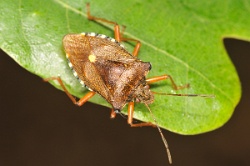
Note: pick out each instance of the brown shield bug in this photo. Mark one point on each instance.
(105, 67)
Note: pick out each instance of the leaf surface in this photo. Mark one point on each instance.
(179, 38)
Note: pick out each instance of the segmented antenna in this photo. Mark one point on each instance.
(188, 95)
(162, 136)
(159, 129)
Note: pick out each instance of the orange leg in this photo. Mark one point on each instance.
(131, 114)
(112, 114)
(130, 117)
(164, 77)
(117, 32)
(80, 102)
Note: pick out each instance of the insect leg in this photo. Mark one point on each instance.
(116, 26)
(117, 32)
(79, 102)
(164, 77)
(130, 117)
(112, 114)
(137, 46)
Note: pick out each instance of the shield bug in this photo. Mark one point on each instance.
(105, 67)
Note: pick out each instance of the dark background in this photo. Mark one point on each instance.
(39, 126)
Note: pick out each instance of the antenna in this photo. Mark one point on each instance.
(188, 95)
(159, 129)
(162, 136)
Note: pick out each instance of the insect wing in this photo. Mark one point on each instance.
(79, 53)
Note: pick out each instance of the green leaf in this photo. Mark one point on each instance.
(180, 38)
